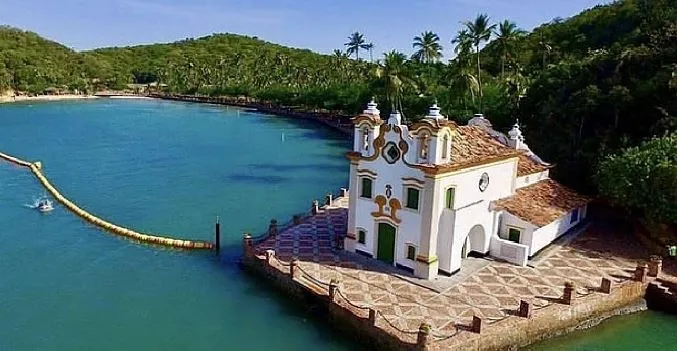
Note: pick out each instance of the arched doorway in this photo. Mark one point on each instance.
(385, 250)
(474, 242)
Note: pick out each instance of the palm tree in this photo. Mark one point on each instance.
(462, 82)
(339, 54)
(507, 34)
(355, 43)
(462, 42)
(479, 31)
(428, 47)
(545, 48)
(395, 76)
(370, 47)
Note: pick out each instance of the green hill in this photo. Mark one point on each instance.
(217, 64)
(232, 64)
(29, 62)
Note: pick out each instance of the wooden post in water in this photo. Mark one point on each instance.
(217, 230)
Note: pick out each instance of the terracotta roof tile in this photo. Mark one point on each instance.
(472, 144)
(542, 203)
(526, 165)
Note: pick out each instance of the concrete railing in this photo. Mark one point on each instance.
(116, 229)
(509, 251)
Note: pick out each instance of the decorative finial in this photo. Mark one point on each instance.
(371, 108)
(434, 112)
(515, 132)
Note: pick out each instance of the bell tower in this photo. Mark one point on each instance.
(433, 135)
(367, 128)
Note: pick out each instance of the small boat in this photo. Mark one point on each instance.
(45, 205)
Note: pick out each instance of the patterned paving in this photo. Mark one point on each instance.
(491, 293)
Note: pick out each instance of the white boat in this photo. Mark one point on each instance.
(45, 205)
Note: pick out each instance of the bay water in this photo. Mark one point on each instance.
(172, 168)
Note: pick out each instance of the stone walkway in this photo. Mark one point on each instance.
(492, 292)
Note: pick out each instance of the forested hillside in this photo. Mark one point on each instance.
(29, 62)
(582, 87)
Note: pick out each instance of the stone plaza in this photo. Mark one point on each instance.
(588, 265)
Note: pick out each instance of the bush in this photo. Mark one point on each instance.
(643, 179)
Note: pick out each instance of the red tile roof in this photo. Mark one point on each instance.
(472, 145)
(526, 165)
(542, 203)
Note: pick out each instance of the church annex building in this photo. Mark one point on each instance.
(422, 198)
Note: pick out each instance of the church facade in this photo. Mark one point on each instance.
(423, 197)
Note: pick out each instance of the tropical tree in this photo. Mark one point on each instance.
(395, 75)
(506, 35)
(462, 83)
(545, 48)
(338, 53)
(479, 31)
(618, 97)
(355, 43)
(643, 179)
(370, 47)
(428, 48)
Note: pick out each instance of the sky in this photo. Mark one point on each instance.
(319, 25)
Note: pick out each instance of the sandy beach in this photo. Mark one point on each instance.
(129, 97)
(9, 99)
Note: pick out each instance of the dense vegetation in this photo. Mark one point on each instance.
(31, 63)
(644, 179)
(582, 88)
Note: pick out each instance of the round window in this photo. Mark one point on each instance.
(484, 181)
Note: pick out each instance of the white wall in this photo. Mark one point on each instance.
(471, 208)
(545, 235)
(529, 179)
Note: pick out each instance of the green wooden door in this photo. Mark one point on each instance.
(386, 243)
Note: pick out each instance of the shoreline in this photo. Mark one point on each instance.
(13, 99)
(127, 97)
(64, 97)
(333, 120)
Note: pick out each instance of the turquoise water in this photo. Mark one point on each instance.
(172, 168)
(160, 167)
(645, 331)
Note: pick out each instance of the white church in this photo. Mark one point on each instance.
(423, 197)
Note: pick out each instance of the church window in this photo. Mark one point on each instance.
(449, 198)
(361, 236)
(445, 146)
(366, 188)
(365, 139)
(411, 252)
(412, 198)
(391, 153)
(514, 235)
(423, 146)
(574, 216)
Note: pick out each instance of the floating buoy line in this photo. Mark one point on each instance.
(36, 169)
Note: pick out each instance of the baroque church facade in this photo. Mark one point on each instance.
(423, 197)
